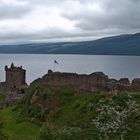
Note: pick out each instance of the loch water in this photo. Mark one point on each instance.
(38, 64)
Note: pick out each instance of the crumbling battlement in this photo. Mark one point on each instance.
(97, 81)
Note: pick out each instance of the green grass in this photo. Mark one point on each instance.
(2, 97)
(17, 131)
(68, 109)
(76, 111)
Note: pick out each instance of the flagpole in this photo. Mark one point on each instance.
(54, 66)
(55, 62)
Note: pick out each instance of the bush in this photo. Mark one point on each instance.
(47, 132)
(114, 113)
(64, 91)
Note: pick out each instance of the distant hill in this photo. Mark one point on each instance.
(128, 44)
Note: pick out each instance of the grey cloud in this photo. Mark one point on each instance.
(114, 17)
(120, 14)
(50, 35)
(8, 11)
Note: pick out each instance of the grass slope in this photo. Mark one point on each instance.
(63, 107)
(17, 131)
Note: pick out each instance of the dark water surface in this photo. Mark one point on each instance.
(38, 65)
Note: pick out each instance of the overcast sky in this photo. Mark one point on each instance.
(23, 21)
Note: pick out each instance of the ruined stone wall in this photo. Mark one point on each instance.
(97, 81)
(3, 87)
(93, 82)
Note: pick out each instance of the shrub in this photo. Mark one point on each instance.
(113, 115)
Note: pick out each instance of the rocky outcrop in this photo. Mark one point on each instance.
(34, 98)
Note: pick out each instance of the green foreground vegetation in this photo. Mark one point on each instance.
(2, 97)
(62, 113)
(14, 130)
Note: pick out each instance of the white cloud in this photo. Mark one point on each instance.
(39, 20)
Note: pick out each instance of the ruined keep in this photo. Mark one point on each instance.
(15, 76)
(14, 85)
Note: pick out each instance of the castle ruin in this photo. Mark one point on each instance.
(97, 81)
(14, 85)
(93, 82)
(15, 78)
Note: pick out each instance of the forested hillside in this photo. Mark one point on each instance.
(116, 45)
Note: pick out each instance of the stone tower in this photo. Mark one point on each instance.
(15, 76)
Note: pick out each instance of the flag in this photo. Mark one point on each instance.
(56, 62)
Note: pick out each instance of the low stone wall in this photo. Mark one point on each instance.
(11, 99)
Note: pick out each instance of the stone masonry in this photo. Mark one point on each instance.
(94, 82)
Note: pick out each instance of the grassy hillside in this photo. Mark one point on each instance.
(65, 108)
(15, 130)
(65, 114)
